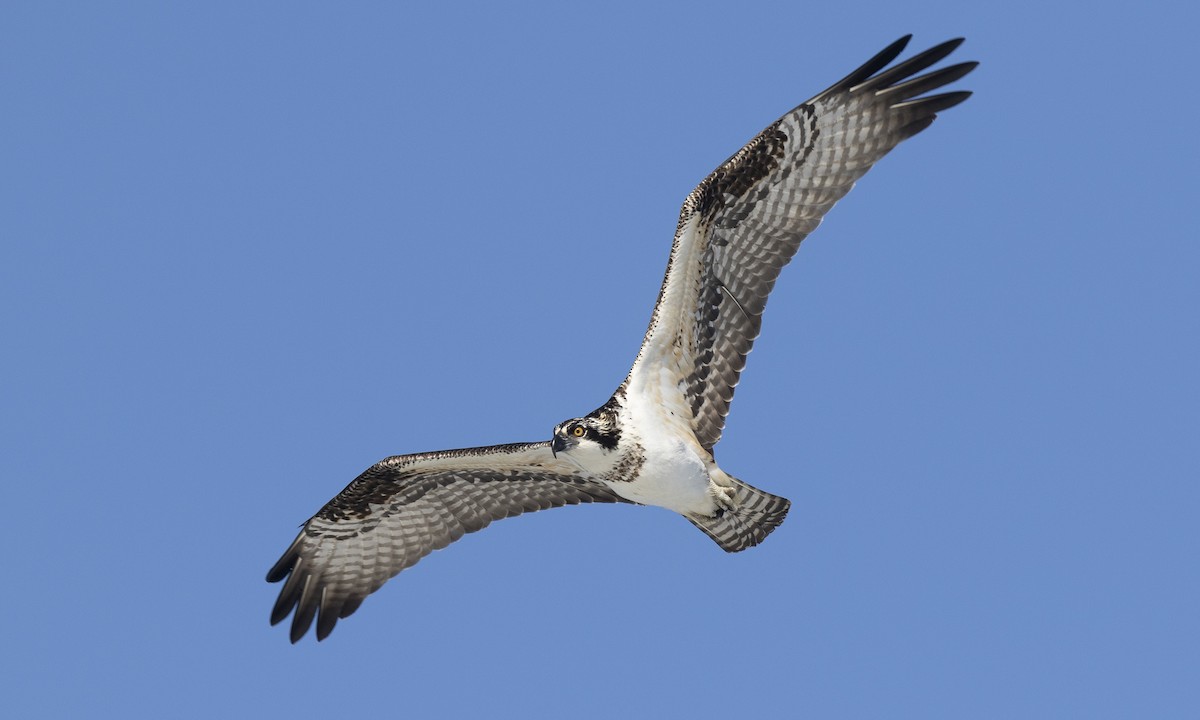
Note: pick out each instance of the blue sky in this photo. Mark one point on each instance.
(247, 250)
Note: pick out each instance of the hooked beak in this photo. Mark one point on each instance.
(557, 444)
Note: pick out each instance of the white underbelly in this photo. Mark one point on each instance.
(673, 477)
(675, 472)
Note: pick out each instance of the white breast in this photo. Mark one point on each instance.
(675, 474)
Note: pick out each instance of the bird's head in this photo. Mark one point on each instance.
(593, 435)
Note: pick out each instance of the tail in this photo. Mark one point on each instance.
(750, 519)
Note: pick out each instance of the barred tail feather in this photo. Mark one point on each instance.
(754, 515)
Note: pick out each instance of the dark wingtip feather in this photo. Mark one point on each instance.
(283, 608)
(931, 81)
(279, 570)
(350, 606)
(870, 67)
(306, 608)
(937, 103)
(911, 66)
(930, 106)
(326, 619)
(302, 621)
(286, 562)
(916, 126)
(290, 593)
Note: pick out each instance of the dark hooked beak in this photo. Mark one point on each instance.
(557, 444)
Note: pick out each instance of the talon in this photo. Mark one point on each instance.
(723, 497)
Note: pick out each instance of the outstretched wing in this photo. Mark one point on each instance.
(405, 507)
(745, 221)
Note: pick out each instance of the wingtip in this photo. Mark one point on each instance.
(277, 618)
(286, 562)
(279, 570)
(937, 103)
(298, 631)
(878, 62)
(865, 74)
(893, 50)
(943, 50)
(327, 618)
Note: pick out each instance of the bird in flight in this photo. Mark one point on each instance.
(652, 442)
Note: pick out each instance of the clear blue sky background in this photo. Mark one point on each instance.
(248, 249)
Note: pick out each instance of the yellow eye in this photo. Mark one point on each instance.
(578, 431)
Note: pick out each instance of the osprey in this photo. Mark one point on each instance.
(652, 442)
